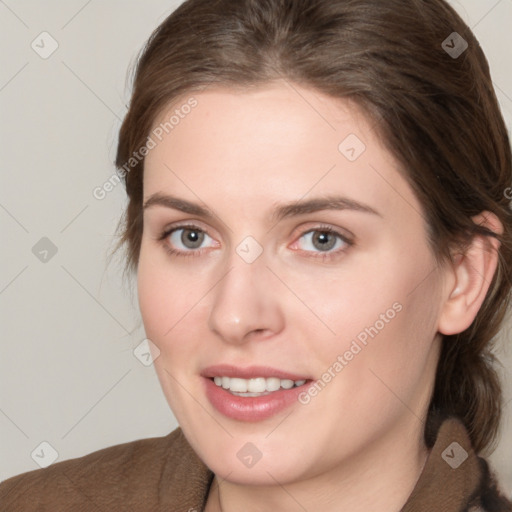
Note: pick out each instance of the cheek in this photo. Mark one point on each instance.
(382, 320)
(155, 298)
(362, 294)
(390, 353)
(168, 295)
(170, 302)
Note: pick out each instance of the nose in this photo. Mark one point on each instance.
(245, 304)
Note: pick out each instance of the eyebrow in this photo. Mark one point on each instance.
(280, 212)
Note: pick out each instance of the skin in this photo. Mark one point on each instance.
(357, 445)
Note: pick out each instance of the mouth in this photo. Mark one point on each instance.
(252, 394)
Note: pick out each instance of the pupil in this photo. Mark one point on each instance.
(192, 239)
(323, 240)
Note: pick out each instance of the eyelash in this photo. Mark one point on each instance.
(326, 256)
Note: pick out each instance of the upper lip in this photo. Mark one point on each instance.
(249, 372)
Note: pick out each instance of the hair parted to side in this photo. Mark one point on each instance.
(437, 115)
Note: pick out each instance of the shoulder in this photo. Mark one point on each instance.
(479, 482)
(128, 473)
(489, 496)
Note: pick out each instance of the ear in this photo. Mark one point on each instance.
(469, 277)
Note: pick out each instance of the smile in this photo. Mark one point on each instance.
(252, 394)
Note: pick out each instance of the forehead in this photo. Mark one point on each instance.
(273, 143)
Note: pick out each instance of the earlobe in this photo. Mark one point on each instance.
(471, 274)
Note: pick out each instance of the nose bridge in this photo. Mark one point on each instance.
(243, 301)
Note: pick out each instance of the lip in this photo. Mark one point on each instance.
(251, 409)
(251, 372)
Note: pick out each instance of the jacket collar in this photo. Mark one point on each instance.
(452, 474)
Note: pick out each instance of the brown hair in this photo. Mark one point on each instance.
(435, 111)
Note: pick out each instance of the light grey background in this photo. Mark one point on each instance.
(68, 374)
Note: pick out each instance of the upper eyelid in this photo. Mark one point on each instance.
(199, 223)
(343, 232)
(168, 229)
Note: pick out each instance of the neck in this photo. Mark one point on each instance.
(380, 477)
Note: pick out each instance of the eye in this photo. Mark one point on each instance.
(186, 239)
(323, 240)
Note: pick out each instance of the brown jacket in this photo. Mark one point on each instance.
(164, 474)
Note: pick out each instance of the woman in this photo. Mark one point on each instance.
(318, 223)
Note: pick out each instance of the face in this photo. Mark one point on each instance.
(286, 279)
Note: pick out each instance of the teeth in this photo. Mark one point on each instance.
(238, 385)
(257, 386)
(287, 384)
(273, 384)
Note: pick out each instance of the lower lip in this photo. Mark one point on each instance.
(255, 408)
